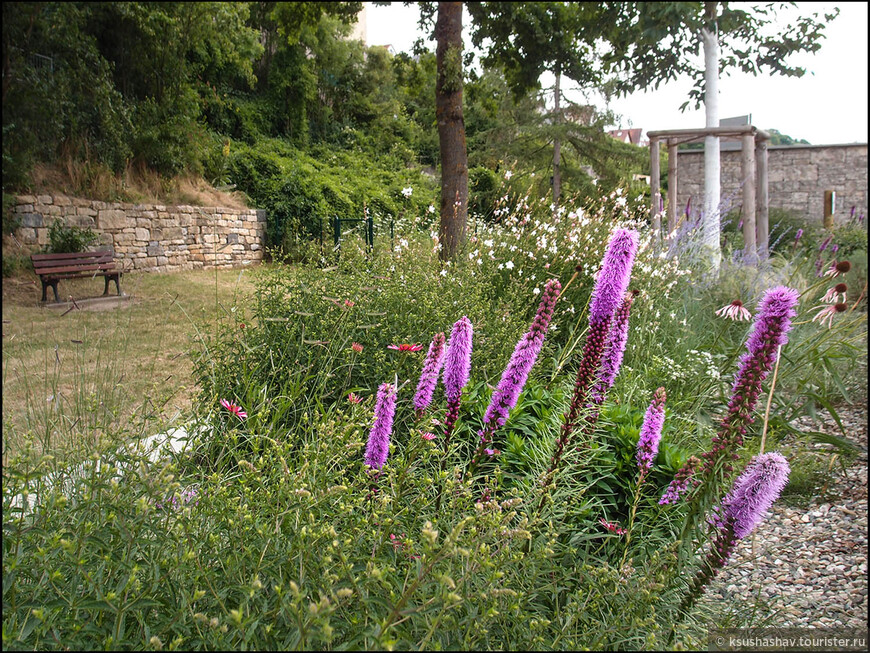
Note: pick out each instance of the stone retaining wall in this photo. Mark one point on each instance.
(798, 176)
(150, 237)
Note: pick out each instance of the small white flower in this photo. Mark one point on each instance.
(431, 209)
(536, 291)
(443, 273)
(509, 265)
(508, 174)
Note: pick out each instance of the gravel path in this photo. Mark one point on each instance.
(811, 564)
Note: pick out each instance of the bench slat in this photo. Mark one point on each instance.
(83, 269)
(68, 255)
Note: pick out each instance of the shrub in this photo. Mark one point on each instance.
(64, 238)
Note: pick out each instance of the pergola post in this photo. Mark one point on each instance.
(762, 223)
(655, 189)
(672, 187)
(750, 255)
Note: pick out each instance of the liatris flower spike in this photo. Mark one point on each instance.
(614, 350)
(514, 377)
(651, 432)
(525, 353)
(837, 268)
(235, 409)
(429, 375)
(797, 236)
(684, 477)
(735, 311)
(457, 367)
(773, 322)
(751, 496)
(378, 446)
(827, 313)
(836, 294)
(825, 243)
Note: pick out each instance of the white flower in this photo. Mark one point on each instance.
(508, 174)
(443, 273)
(407, 191)
(509, 265)
(431, 209)
(536, 291)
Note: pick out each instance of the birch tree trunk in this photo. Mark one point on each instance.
(557, 149)
(712, 190)
(451, 129)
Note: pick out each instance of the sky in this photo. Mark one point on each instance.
(827, 105)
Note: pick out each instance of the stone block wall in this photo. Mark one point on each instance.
(150, 237)
(798, 176)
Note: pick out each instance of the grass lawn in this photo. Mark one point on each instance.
(67, 376)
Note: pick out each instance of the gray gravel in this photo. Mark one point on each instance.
(809, 564)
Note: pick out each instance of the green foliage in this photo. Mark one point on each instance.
(63, 238)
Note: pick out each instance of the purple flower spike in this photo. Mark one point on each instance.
(526, 352)
(744, 507)
(753, 493)
(651, 432)
(614, 276)
(684, 478)
(429, 375)
(800, 232)
(457, 361)
(772, 323)
(614, 350)
(378, 446)
(825, 243)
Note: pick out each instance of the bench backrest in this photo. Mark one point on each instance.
(74, 262)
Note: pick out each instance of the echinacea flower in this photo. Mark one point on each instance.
(354, 399)
(235, 409)
(429, 375)
(735, 311)
(349, 304)
(613, 527)
(378, 446)
(356, 347)
(837, 268)
(827, 313)
(428, 436)
(836, 294)
(406, 348)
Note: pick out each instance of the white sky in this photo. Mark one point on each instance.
(827, 105)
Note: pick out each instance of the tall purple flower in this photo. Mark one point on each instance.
(378, 446)
(651, 432)
(614, 350)
(772, 323)
(429, 375)
(825, 243)
(457, 362)
(457, 366)
(607, 294)
(751, 496)
(517, 372)
(684, 477)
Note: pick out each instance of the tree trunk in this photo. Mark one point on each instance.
(557, 149)
(712, 188)
(451, 128)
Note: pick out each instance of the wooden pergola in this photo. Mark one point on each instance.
(754, 168)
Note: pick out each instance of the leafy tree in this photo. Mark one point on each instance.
(650, 42)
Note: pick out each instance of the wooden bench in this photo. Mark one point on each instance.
(53, 267)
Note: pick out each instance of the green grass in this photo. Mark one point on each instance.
(81, 374)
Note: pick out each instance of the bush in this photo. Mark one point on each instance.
(63, 238)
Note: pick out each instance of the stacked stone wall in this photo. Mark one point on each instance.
(798, 177)
(150, 237)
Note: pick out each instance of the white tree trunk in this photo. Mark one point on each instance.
(712, 190)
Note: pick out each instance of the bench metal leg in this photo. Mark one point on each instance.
(53, 285)
(117, 279)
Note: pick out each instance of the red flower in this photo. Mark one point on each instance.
(427, 436)
(405, 348)
(234, 409)
(348, 303)
(613, 527)
(356, 347)
(352, 398)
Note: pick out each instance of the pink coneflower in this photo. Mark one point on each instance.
(354, 399)
(613, 527)
(837, 268)
(356, 347)
(405, 348)
(827, 313)
(735, 311)
(836, 294)
(235, 409)
(348, 303)
(428, 436)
